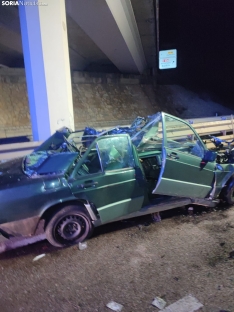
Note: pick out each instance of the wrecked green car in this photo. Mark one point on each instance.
(75, 182)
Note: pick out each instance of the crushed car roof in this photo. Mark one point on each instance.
(51, 156)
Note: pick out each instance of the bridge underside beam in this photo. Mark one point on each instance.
(112, 26)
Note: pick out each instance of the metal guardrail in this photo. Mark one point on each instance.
(14, 150)
(220, 126)
(212, 125)
(203, 126)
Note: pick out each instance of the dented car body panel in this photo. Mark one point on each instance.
(156, 164)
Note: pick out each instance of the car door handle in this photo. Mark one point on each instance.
(87, 184)
(173, 155)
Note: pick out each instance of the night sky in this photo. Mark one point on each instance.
(202, 31)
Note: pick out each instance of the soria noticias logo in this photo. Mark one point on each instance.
(23, 3)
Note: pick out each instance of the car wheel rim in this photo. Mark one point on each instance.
(71, 228)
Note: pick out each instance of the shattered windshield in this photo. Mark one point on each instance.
(54, 156)
(47, 163)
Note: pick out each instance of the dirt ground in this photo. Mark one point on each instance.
(130, 262)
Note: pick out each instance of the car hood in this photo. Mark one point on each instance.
(11, 172)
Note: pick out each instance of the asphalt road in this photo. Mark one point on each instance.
(128, 262)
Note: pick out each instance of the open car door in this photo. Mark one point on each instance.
(183, 172)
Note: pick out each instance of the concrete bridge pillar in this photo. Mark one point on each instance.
(47, 65)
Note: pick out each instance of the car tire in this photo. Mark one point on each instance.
(229, 197)
(68, 226)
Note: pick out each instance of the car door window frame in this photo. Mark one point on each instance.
(82, 162)
(116, 153)
(165, 147)
(198, 139)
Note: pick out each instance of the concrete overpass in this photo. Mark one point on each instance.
(103, 35)
(50, 38)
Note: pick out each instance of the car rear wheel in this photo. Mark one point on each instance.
(68, 226)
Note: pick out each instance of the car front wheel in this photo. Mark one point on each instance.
(68, 226)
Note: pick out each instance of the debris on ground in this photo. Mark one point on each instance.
(188, 303)
(159, 303)
(140, 226)
(156, 217)
(114, 306)
(168, 256)
(82, 246)
(38, 257)
(190, 211)
(231, 254)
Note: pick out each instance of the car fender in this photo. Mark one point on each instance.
(48, 210)
(36, 225)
